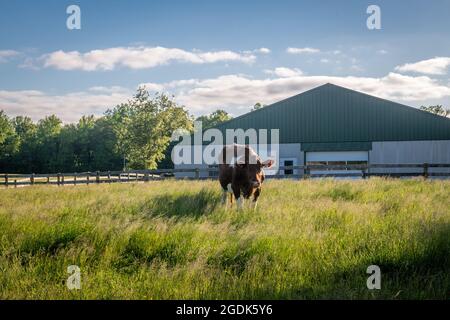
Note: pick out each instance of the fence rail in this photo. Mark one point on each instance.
(307, 171)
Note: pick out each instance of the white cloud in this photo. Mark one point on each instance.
(5, 55)
(263, 50)
(236, 93)
(284, 72)
(136, 58)
(437, 66)
(69, 107)
(323, 60)
(382, 51)
(302, 50)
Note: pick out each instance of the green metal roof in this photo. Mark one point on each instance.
(331, 114)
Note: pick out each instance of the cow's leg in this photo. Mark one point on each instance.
(255, 198)
(224, 196)
(237, 195)
(230, 191)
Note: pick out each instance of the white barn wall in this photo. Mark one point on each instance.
(383, 152)
(417, 152)
(286, 150)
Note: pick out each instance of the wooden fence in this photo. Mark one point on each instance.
(307, 171)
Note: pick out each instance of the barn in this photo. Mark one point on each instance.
(334, 125)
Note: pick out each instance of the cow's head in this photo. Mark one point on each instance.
(253, 171)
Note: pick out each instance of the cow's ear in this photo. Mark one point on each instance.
(268, 163)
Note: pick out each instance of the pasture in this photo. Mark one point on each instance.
(311, 239)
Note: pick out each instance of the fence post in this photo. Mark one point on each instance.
(15, 183)
(6, 179)
(97, 177)
(109, 176)
(363, 173)
(48, 179)
(87, 177)
(306, 172)
(58, 176)
(197, 173)
(75, 179)
(146, 176)
(32, 178)
(425, 170)
(62, 178)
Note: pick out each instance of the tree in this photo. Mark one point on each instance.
(26, 131)
(258, 106)
(9, 141)
(144, 125)
(138, 130)
(437, 109)
(47, 144)
(213, 119)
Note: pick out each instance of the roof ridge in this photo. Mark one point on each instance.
(275, 103)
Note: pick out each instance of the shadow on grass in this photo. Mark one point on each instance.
(419, 272)
(192, 205)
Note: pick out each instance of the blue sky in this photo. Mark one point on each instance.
(213, 54)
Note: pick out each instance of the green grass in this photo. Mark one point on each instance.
(173, 240)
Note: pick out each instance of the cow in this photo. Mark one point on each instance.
(243, 176)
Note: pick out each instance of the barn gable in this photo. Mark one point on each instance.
(330, 117)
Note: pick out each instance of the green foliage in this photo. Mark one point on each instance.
(138, 130)
(257, 106)
(144, 125)
(437, 109)
(172, 240)
(213, 119)
(9, 141)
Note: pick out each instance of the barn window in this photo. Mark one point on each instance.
(336, 158)
(213, 173)
(286, 164)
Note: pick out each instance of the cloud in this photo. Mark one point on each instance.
(137, 58)
(236, 93)
(5, 55)
(284, 72)
(302, 50)
(436, 66)
(69, 107)
(382, 51)
(263, 50)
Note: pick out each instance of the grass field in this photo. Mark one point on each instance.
(173, 240)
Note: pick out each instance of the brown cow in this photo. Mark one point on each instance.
(245, 175)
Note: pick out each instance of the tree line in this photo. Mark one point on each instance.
(133, 135)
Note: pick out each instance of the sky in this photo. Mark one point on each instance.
(217, 54)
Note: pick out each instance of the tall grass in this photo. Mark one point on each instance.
(173, 240)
